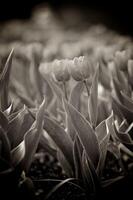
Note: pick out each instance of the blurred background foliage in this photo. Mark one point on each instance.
(115, 14)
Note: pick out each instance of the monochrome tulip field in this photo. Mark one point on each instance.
(66, 110)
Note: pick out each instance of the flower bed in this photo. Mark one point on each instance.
(66, 111)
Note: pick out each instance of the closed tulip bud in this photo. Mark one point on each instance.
(86, 67)
(121, 59)
(60, 70)
(80, 68)
(75, 68)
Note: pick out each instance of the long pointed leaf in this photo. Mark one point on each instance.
(44, 143)
(127, 101)
(75, 101)
(5, 145)
(128, 114)
(105, 76)
(106, 128)
(32, 137)
(75, 95)
(58, 186)
(3, 121)
(89, 175)
(17, 154)
(60, 137)
(122, 80)
(64, 163)
(14, 128)
(85, 133)
(77, 155)
(123, 137)
(101, 131)
(93, 99)
(4, 82)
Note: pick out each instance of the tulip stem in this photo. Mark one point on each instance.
(87, 89)
(65, 89)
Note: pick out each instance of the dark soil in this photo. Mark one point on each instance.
(46, 173)
(45, 167)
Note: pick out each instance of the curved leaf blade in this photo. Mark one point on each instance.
(44, 143)
(104, 131)
(4, 82)
(60, 137)
(32, 137)
(77, 156)
(3, 121)
(128, 114)
(93, 99)
(89, 174)
(5, 145)
(127, 101)
(85, 132)
(75, 101)
(64, 163)
(17, 154)
(15, 128)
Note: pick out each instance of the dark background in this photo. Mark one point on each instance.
(117, 15)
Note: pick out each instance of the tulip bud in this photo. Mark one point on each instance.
(60, 70)
(80, 68)
(75, 68)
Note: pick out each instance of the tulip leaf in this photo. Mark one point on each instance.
(15, 128)
(85, 132)
(121, 77)
(93, 99)
(101, 131)
(104, 131)
(20, 91)
(77, 156)
(5, 145)
(8, 110)
(127, 101)
(60, 137)
(64, 163)
(105, 77)
(103, 110)
(17, 154)
(117, 88)
(75, 101)
(32, 137)
(124, 137)
(114, 149)
(44, 143)
(128, 114)
(90, 177)
(75, 95)
(3, 121)
(4, 83)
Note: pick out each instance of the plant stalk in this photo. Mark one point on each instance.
(65, 90)
(86, 85)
